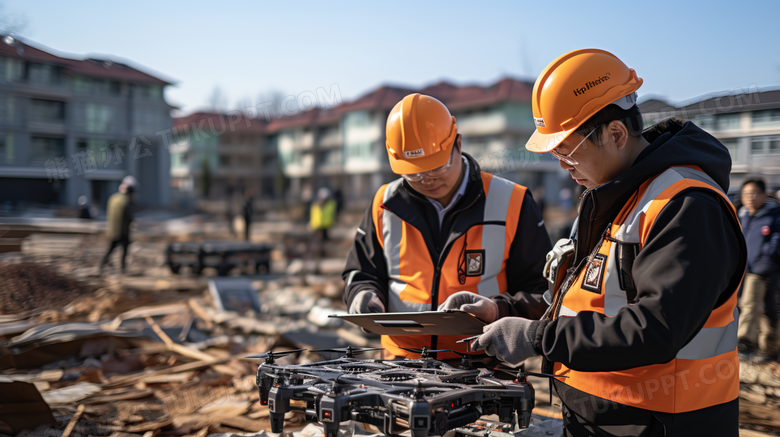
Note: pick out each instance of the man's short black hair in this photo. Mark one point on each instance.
(759, 183)
(631, 117)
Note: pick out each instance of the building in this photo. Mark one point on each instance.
(239, 154)
(343, 147)
(72, 127)
(747, 122)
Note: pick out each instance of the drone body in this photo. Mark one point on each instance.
(426, 396)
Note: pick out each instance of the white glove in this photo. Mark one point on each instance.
(483, 307)
(509, 339)
(366, 301)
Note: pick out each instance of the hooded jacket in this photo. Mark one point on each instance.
(762, 235)
(691, 263)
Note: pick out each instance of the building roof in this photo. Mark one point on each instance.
(724, 102)
(96, 68)
(386, 96)
(218, 120)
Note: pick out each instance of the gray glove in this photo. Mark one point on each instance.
(509, 339)
(483, 307)
(366, 301)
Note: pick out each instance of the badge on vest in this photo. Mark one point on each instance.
(475, 262)
(594, 274)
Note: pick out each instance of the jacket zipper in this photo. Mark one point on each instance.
(443, 256)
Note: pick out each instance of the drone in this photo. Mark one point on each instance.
(425, 395)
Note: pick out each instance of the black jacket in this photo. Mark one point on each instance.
(691, 263)
(368, 270)
(762, 235)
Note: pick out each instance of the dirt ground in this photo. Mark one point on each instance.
(191, 377)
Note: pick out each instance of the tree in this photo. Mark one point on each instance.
(217, 100)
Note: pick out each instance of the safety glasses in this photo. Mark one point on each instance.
(431, 174)
(567, 158)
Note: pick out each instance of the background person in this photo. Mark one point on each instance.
(119, 215)
(322, 217)
(760, 218)
(84, 208)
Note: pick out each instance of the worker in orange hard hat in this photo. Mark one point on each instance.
(642, 330)
(444, 229)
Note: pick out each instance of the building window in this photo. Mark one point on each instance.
(86, 85)
(149, 121)
(11, 70)
(766, 118)
(107, 155)
(150, 91)
(6, 149)
(359, 151)
(44, 74)
(43, 148)
(47, 111)
(768, 145)
(704, 121)
(727, 121)
(357, 120)
(98, 117)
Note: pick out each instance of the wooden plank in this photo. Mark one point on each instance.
(73, 421)
(200, 312)
(178, 348)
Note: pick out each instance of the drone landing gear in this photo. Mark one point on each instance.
(277, 422)
(331, 430)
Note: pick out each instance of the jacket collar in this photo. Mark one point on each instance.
(415, 209)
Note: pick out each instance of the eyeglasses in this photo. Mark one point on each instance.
(435, 173)
(567, 158)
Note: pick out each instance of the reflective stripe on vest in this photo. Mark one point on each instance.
(480, 253)
(687, 380)
(493, 243)
(494, 235)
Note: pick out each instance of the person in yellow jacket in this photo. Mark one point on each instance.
(322, 216)
(642, 330)
(443, 228)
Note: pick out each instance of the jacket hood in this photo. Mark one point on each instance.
(677, 142)
(673, 142)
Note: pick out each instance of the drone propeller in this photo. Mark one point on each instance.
(425, 351)
(349, 351)
(270, 356)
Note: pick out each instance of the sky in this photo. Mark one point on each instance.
(249, 49)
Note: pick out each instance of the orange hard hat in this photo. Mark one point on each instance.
(420, 134)
(575, 87)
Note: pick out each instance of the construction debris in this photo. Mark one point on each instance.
(157, 354)
(149, 353)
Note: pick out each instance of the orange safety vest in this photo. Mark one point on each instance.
(414, 276)
(703, 373)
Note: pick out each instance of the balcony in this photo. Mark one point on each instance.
(482, 124)
(331, 140)
(46, 127)
(300, 167)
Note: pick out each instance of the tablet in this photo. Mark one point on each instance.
(450, 322)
